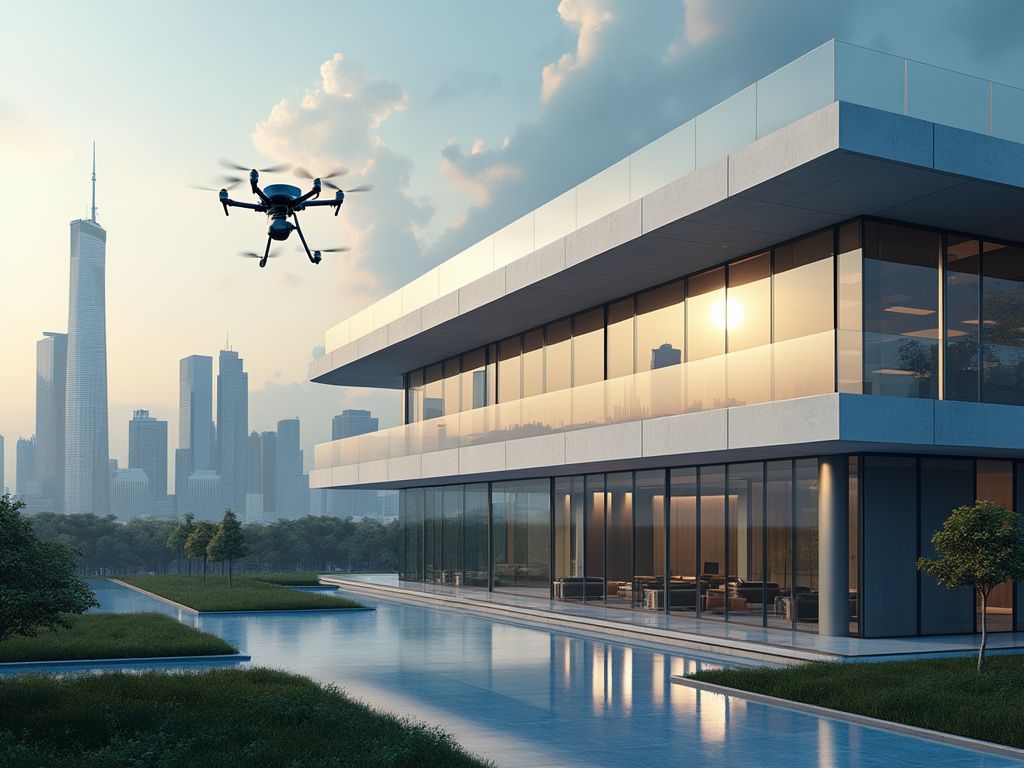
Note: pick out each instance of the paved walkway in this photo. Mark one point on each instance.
(768, 643)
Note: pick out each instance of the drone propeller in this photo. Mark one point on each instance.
(302, 172)
(227, 182)
(236, 167)
(360, 188)
(339, 249)
(252, 255)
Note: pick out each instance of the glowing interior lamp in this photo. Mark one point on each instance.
(727, 313)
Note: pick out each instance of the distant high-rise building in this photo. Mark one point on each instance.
(147, 450)
(352, 422)
(232, 428)
(130, 495)
(51, 396)
(254, 463)
(202, 498)
(86, 475)
(25, 467)
(182, 470)
(289, 470)
(268, 473)
(254, 508)
(195, 409)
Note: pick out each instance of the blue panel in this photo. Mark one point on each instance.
(979, 156)
(1007, 112)
(884, 134)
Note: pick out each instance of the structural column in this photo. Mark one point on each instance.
(834, 546)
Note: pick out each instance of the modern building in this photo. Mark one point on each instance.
(254, 509)
(742, 375)
(352, 422)
(232, 428)
(51, 396)
(147, 451)
(290, 500)
(202, 496)
(254, 463)
(25, 467)
(268, 474)
(86, 476)
(130, 495)
(361, 503)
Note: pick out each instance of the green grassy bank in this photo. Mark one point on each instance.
(112, 636)
(944, 695)
(247, 594)
(253, 717)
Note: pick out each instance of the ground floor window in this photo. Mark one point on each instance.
(724, 542)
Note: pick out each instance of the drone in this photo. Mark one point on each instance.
(284, 201)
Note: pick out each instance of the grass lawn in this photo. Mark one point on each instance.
(287, 579)
(246, 595)
(940, 694)
(111, 636)
(251, 718)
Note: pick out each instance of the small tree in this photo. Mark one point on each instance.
(199, 540)
(979, 546)
(229, 542)
(38, 585)
(176, 541)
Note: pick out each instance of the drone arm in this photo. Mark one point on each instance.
(238, 204)
(313, 193)
(303, 239)
(254, 179)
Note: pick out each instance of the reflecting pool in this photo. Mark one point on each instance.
(527, 696)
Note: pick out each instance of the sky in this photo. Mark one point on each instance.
(463, 114)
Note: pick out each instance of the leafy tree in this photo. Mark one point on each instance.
(38, 585)
(176, 541)
(979, 546)
(198, 542)
(228, 543)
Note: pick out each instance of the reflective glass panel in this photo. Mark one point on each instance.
(995, 483)
(803, 285)
(850, 313)
(588, 347)
(433, 400)
(510, 370)
(620, 338)
(619, 546)
(594, 512)
(705, 314)
(1002, 333)
(649, 535)
(451, 546)
(568, 570)
(713, 565)
(748, 303)
(682, 548)
(779, 550)
(749, 590)
(901, 310)
(521, 541)
(475, 534)
(414, 397)
(533, 362)
(558, 356)
(963, 312)
(806, 527)
(452, 385)
(660, 319)
(474, 379)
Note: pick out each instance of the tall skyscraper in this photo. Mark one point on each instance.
(289, 470)
(51, 396)
(268, 456)
(202, 498)
(86, 475)
(232, 426)
(254, 463)
(352, 422)
(195, 410)
(25, 468)
(147, 451)
(130, 496)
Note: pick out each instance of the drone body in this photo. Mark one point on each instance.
(282, 203)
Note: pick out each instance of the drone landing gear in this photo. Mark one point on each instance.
(314, 257)
(266, 255)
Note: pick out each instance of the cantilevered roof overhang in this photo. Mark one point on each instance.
(842, 161)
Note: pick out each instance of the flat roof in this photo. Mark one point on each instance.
(840, 132)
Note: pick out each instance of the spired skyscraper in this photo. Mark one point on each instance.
(86, 454)
(232, 428)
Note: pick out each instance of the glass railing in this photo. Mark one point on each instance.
(781, 371)
(835, 71)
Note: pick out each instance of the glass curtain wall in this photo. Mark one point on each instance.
(521, 536)
(995, 483)
(682, 540)
(594, 505)
(475, 538)
(569, 539)
(618, 539)
(1002, 332)
(749, 591)
(649, 536)
(714, 567)
(451, 534)
(963, 327)
(411, 514)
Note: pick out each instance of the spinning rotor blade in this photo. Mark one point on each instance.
(228, 182)
(269, 169)
(361, 188)
(339, 249)
(303, 173)
(252, 255)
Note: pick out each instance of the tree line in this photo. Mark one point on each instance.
(107, 547)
